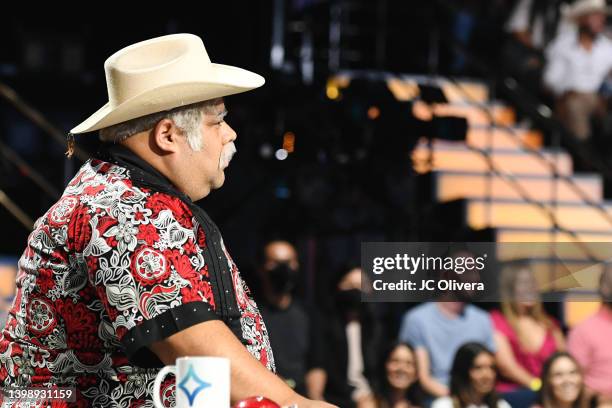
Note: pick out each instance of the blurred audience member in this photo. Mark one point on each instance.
(534, 23)
(352, 337)
(465, 19)
(288, 321)
(578, 62)
(398, 385)
(438, 329)
(8, 275)
(562, 384)
(472, 382)
(524, 335)
(531, 25)
(589, 343)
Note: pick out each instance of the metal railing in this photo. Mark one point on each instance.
(38, 119)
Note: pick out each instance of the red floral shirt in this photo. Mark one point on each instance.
(110, 268)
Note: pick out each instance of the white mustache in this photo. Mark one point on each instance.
(229, 150)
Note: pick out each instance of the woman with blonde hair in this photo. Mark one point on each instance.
(524, 334)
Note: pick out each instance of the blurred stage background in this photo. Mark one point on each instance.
(380, 120)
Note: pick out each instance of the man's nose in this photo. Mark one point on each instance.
(231, 134)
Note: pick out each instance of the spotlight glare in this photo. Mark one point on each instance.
(332, 92)
(281, 154)
(373, 112)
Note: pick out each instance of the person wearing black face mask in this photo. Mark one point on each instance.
(283, 278)
(287, 319)
(353, 336)
(349, 300)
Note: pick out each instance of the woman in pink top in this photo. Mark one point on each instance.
(524, 335)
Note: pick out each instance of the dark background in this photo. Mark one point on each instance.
(350, 178)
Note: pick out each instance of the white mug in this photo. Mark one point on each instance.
(200, 382)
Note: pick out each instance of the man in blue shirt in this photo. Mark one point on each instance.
(437, 329)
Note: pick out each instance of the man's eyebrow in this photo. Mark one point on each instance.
(220, 115)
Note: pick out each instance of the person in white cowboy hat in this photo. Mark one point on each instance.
(578, 61)
(125, 273)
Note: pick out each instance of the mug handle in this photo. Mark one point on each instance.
(157, 384)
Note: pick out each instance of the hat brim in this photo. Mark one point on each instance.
(574, 15)
(220, 80)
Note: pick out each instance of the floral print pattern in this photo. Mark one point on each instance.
(108, 257)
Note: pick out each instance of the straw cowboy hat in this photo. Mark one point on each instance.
(582, 7)
(164, 73)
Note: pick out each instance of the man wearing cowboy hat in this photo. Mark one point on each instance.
(125, 273)
(578, 61)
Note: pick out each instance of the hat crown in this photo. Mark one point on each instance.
(586, 6)
(154, 63)
(161, 74)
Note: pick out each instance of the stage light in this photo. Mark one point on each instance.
(289, 142)
(266, 150)
(281, 154)
(332, 92)
(373, 112)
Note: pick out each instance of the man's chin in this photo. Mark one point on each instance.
(219, 180)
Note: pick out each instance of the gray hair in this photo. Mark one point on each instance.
(187, 118)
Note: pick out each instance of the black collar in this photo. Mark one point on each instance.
(141, 171)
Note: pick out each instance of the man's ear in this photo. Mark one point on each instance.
(166, 136)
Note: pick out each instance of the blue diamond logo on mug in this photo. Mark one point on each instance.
(192, 385)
